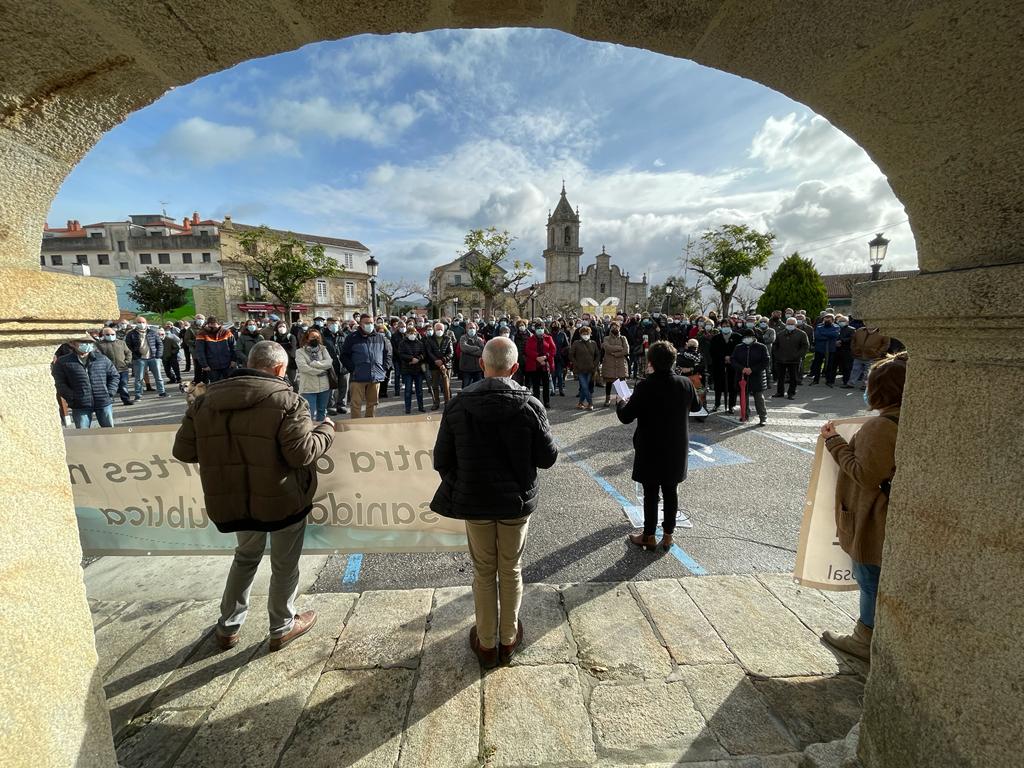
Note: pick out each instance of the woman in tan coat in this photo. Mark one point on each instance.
(867, 465)
(616, 360)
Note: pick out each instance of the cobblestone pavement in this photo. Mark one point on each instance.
(714, 670)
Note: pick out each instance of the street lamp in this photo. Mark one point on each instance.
(876, 254)
(670, 285)
(533, 307)
(455, 301)
(371, 267)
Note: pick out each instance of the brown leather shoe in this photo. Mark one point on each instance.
(488, 656)
(301, 625)
(506, 652)
(666, 542)
(649, 543)
(226, 642)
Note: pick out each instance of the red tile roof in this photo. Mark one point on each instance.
(355, 244)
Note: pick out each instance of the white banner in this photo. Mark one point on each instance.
(375, 484)
(820, 561)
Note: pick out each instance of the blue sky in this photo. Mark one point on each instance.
(406, 141)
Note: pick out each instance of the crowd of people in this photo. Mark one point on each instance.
(347, 365)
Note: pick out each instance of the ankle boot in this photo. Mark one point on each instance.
(650, 543)
(858, 644)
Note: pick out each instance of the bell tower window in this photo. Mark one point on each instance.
(568, 235)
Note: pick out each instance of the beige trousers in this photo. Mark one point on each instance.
(363, 392)
(496, 548)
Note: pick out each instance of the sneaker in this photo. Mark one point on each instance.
(506, 652)
(488, 656)
(301, 625)
(343, 410)
(762, 421)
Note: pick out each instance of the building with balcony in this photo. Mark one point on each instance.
(451, 290)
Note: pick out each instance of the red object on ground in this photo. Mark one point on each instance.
(743, 398)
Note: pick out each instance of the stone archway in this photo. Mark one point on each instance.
(928, 89)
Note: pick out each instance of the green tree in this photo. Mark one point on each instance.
(485, 253)
(684, 299)
(282, 264)
(155, 291)
(794, 283)
(726, 255)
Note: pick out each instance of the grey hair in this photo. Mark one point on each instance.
(500, 354)
(266, 356)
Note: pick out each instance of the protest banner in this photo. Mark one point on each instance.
(820, 561)
(132, 497)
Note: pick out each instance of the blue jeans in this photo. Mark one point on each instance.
(558, 377)
(867, 580)
(83, 416)
(860, 368)
(138, 370)
(408, 379)
(586, 387)
(122, 387)
(317, 404)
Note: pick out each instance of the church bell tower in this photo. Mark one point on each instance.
(562, 255)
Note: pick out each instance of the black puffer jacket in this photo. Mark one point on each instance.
(92, 384)
(493, 438)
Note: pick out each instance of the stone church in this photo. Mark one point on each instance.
(564, 285)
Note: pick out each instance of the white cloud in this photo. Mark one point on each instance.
(658, 163)
(205, 143)
(373, 124)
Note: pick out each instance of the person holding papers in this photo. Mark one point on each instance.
(660, 405)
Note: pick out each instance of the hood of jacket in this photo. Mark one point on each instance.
(495, 399)
(243, 389)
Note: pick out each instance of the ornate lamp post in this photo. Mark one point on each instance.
(876, 254)
(455, 301)
(670, 285)
(533, 307)
(371, 267)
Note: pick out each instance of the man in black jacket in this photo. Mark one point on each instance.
(88, 381)
(493, 438)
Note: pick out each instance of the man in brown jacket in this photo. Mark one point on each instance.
(256, 447)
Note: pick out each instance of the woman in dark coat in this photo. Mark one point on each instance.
(661, 405)
(750, 361)
(722, 345)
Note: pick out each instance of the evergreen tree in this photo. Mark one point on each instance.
(155, 291)
(794, 283)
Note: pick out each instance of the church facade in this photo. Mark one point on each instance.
(565, 285)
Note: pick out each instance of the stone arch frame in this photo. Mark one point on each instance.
(929, 90)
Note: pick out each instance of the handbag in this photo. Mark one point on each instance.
(332, 378)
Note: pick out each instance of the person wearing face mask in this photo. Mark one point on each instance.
(750, 362)
(585, 358)
(270, 328)
(215, 351)
(298, 330)
(788, 352)
(765, 334)
(396, 336)
(561, 359)
(826, 336)
(540, 354)
(412, 351)
(366, 355)
(188, 342)
(722, 346)
(520, 334)
(440, 356)
(88, 383)
(471, 347)
(170, 356)
(284, 337)
(616, 360)
(333, 338)
(808, 330)
(147, 351)
(316, 374)
(634, 337)
(248, 337)
(706, 331)
(841, 363)
(115, 350)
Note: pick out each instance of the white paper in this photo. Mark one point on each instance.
(622, 390)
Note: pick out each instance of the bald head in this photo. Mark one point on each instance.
(500, 358)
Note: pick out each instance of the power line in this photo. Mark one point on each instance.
(850, 239)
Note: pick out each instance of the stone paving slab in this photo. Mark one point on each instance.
(156, 740)
(690, 637)
(546, 632)
(129, 629)
(386, 630)
(536, 716)
(444, 720)
(143, 672)
(650, 721)
(353, 718)
(762, 633)
(815, 709)
(257, 715)
(615, 639)
(181, 577)
(104, 610)
(206, 674)
(734, 711)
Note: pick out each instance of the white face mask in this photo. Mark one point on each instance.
(790, 327)
(748, 340)
(411, 336)
(282, 330)
(471, 331)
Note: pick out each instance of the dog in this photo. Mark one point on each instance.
(192, 391)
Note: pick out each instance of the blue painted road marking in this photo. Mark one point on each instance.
(676, 551)
(352, 568)
(705, 455)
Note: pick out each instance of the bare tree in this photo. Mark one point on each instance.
(390, 292)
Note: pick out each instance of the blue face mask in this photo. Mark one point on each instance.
(85, 348)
